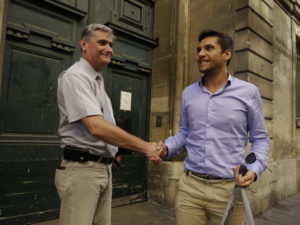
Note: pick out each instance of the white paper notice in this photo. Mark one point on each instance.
(125, 101)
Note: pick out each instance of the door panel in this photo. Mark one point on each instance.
(31, 92)
(130, 94)
(132, 117)
(41, 41)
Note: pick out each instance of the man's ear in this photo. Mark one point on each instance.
(82, 45)
(227, 54)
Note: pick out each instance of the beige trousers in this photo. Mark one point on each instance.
(85, 191)
(199, 201)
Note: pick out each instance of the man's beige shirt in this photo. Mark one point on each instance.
(80, 94)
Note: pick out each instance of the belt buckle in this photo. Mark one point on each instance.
(84, 157)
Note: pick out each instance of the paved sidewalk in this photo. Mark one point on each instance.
(142, 213)
(286, 212)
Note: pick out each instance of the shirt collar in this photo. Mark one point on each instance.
(228, 82)
(89, 69)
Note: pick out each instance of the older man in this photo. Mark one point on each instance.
(89, 135)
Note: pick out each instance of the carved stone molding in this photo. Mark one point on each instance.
(144, 70)
(117, 62)
(17, 34)
(24, 31)
(125, 64)
(62, 47)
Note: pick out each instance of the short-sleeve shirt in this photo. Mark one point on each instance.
(80, 94)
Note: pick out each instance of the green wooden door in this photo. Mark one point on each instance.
(41, 40)
(130, 103)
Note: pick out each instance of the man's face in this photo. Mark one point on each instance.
(210, 56)
(97, 49)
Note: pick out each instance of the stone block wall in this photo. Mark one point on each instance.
(254, 63)
(285, 153)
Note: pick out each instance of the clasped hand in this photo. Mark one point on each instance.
(158, 151)
(243, 181)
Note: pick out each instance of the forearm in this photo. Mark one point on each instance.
(116, 136)
(111, 134)
(261, 149)
(175, 144)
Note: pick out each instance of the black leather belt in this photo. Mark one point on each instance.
(76, 154)
(203, 176)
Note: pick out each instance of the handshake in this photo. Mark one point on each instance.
(156, 151)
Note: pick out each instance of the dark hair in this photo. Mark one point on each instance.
(224, 40)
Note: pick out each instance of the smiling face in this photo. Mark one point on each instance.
(210, 57)
(97, 49)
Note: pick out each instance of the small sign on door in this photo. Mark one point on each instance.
(125, 101)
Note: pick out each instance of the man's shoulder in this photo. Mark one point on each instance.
(191, 87)
(243, 84)
(74, 71)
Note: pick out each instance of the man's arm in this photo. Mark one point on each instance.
(258, 135)
(111, 134)
(175, 144)
(260, 142)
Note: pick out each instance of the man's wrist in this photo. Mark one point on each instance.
(166, 152)
(255, 177)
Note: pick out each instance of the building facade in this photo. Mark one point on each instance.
(154, 60)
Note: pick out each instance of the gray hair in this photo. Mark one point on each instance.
(87, 31)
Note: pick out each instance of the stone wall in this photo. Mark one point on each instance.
(169, 70)
(169, 77)
(254, 63)
(286, 135)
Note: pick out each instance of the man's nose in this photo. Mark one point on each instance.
(201, 52)
(109, 48)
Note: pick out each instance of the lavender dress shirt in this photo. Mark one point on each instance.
(215, 128)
